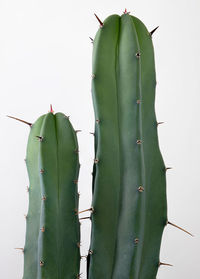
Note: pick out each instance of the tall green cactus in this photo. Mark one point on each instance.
(129, 177)
(53, 234)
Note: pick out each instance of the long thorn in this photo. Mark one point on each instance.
(179, 228)
(23, 121)
(84, 218)
(160, 263)
(89, 209)
(151, 33)
(168, 168)
(159, 123)
(101, 23)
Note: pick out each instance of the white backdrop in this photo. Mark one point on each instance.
(45, 57)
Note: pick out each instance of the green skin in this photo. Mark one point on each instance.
(127, 224)
(53, 230)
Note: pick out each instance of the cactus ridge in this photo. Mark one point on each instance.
(53, 230)
(129, 177)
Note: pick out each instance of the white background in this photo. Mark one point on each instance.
(45, 57)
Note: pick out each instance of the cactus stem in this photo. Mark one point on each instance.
(91, 40)
(101, 23)
(21, 249)
(141, 189)
(40, 138)
(138, 54)
(151, 33)
(42, 229)
(85, 218)
(160, 263)
(136, 240)
(90, 209)
(169, 223)
(44, 198)
(159, 123)
(168, 168)
(138, 102)
(139, 142)
(23, 121)
(51, 109)
(42, 171)
(41, 263)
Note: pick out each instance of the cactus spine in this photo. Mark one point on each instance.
(129, 180)
(53, 237)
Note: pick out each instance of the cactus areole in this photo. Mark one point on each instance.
(129, 179)
(52, 237)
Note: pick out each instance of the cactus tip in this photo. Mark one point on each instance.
(126, 12)
(51, 109)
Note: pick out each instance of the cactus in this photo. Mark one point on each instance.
(129, 175)
(52, 247)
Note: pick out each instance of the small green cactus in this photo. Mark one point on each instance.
(52, 248)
